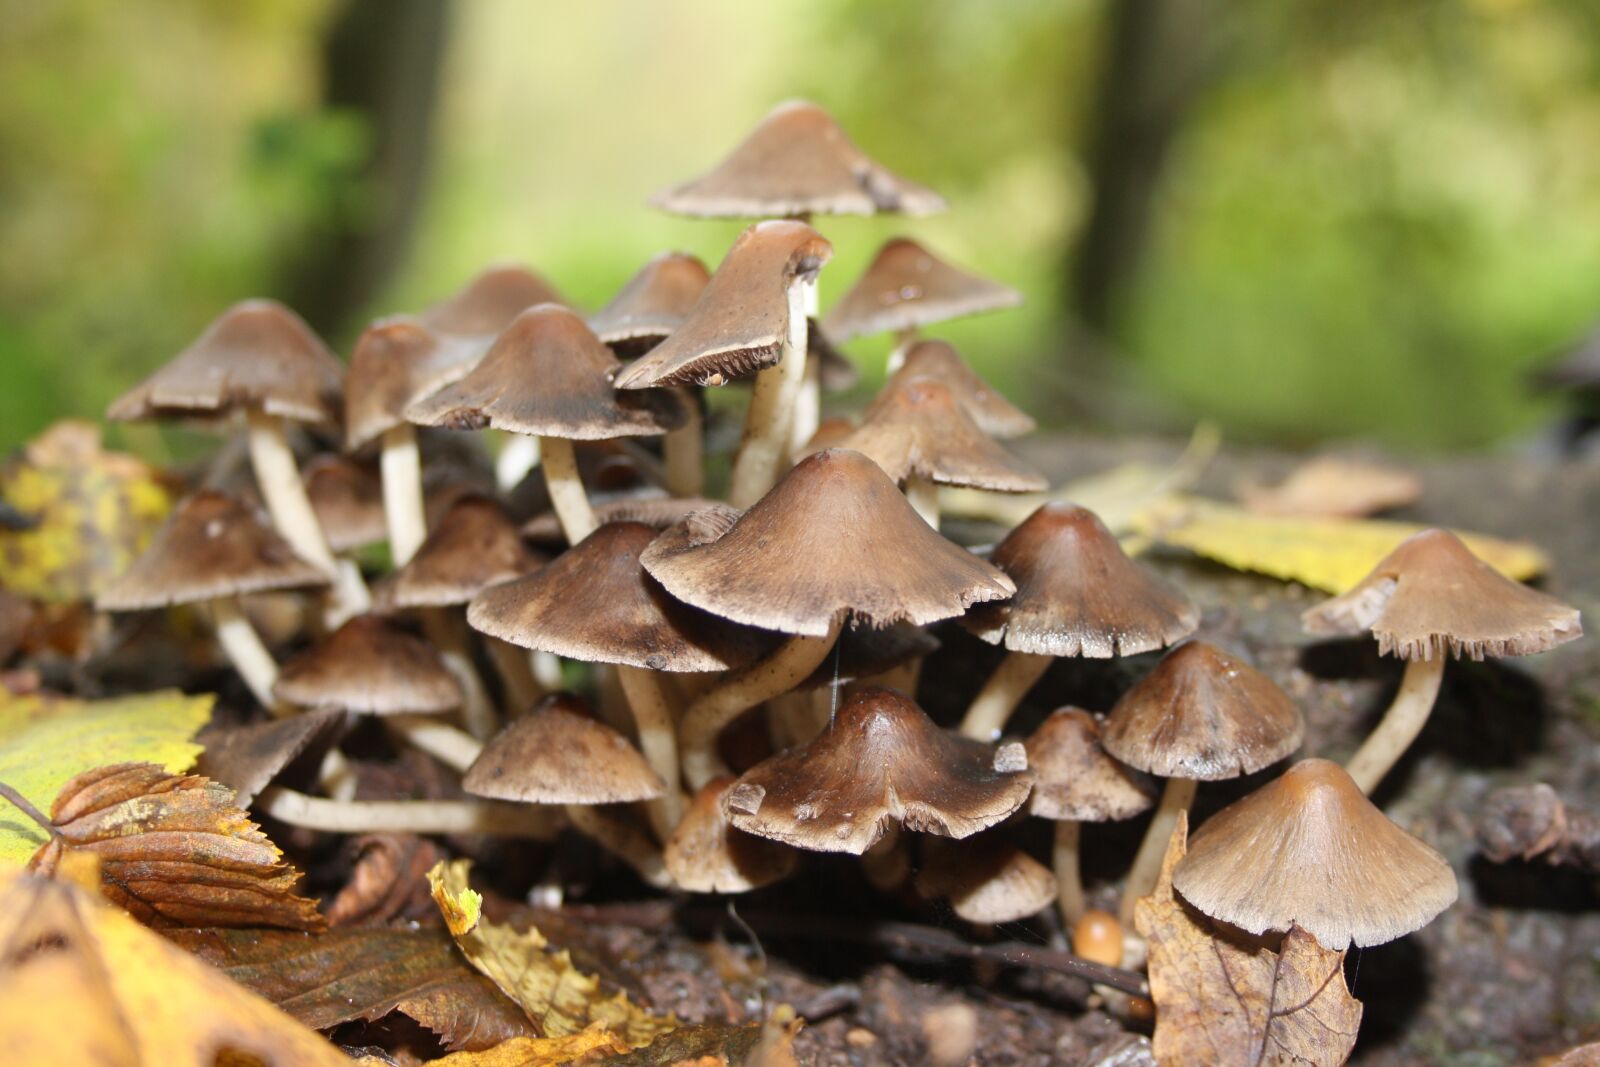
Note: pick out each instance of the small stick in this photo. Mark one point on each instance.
(22, 804)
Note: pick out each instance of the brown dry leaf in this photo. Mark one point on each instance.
(389, 880)
(1222, 998)
(82, 983)
(540, 1051)
(174, 851)
(709, 1045)
(1330, 485)
(558, 997)
(327, 979)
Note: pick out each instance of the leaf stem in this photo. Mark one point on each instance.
(22, 804)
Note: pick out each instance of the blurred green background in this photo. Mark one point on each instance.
(1305, 220)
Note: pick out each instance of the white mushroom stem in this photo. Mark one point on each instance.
(887, 864)
(546, 668)
(447, 632)
(807, 413)
(766, 424)
(1069, 878)
(740, 691)
(454, 748)
(401, 465)
(1000, 695)
(794, 718)
(522, 689)
(1175, 799)
(1401, 724)
(652, 717)
(923, 496)
(903, 340)
(567, 497)
(683, 452)
(245, 650)
(622, 840)
(408, 816)
(517, 457)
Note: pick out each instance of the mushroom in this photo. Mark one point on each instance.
(1428, 597)
(347, 498)
(1309, 849)
(833, 537)
(993, 413)
(705, 854)
(1201, 716)
(986, 879)
(1078, 594)
(656, 512)
(369, 667)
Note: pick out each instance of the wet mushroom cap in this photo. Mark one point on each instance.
(654, 302)
(474, 546)
(560, 754)
(487, 304)
(370, 667)
(1309, 848)
(986, 879)
(396, 362)
(257, 354)
(797, 161)
(1078, 594)
(881, 761)
(347, 497)
(1432, 595)
(212, 546)
(906, 287)
(834, 535)
(1204, 715)
(707, 855)
(1076, 779)
(994, 414)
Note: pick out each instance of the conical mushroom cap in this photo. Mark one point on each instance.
(369, 667)
(882, 761)
(994, 414)
(347, 497)
(797, 161)
(474, 547)
(547, 375)
(396, 362)
(707, 855)
(1309, 848)
(211, 547)
(654, 302)
(1205, 715)
(906, 287)
(1075, 778)
(1432, 594)
(595, 603)
(986, 879)
(834, 535)
(560, 754)
(739, 324)
(917, 428)
(257, 354)
(487, 304)
(1078, 594)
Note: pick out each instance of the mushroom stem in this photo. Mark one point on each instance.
(567, 497)
(546, 668)
(887, 863)
(1175, 799)
(652, 716)
(903, 340)
(515, 667)
(447, 633)
(1000, 695)
(243, 646)
(517, 456)
(741, 690)
(1401, 724)
(766, 424)
(683, 452)
(401, 465)
(794, 718)
(452, 747)
(407, 816)
(807, 412)
(923, 496)
(1069, 878)
(623, 841)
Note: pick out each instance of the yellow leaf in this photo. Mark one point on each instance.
(537, 1051)
(1330, 554)
(46, 741)
(558, 997)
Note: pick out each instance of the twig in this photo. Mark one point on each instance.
(22, 804)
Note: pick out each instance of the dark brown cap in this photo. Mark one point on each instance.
(1074, 778)
(257, 354)
(797, 162)
(655, 511)
(211, 547)
(1432, 594)
(881, 761)
(834, 535)
(707, 855)
(547, 375)
(654, 302)
(1078, 594)
(396, 362)
(247, 758)
(1309, 849)
(906, 287)
(475, 545)
(739, 324)
(487, 304)
(994, 414)
(347, 496)
(560, 754)
(863, 651)
(594, 602)
(1205, 715)
(369, 667)
(986, 879)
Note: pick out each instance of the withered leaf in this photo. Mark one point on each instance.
(175, 851)
(327, 979)
(712, 1044)
(389, 881)
(1225, 998)
(246, 758)
(540, 1051)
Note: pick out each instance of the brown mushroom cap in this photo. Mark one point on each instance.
(594, 602)
(211, 547)
(1309, 849)
(347, 497)
(475, 545)
(863, 651)
(707, 855)
(547, 375)
(247, 758)
(994, 414)
(881, 761)
(834, 535)
(986, 879)
(257, 354)
(560, 754)
(370, 667)
(906, 287)
(654, 302)
(1074, 778)
(1203, 715)
(797, 161)
(739, 324)
(487, 304)
(396, 362)
(916, 427)
(1432, 594)
(656, 512)
(1078, 594)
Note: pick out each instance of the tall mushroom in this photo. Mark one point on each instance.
(706, 854)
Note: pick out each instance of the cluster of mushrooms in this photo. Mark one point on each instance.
(805, 591)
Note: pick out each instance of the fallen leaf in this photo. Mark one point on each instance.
(83, 983)
(246, 758)
(324, 980)
(1224, 998)
(175, 851)
(47, 740)
(388, 881)
(558, 997)
(1330, 485)
(539, 1051)
(707, 1045)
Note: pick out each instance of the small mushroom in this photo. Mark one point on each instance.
(705, 854)
(994, 414)
(347, 497)
(369, 667)
(985, 878)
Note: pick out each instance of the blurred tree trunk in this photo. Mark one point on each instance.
(381, 61)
